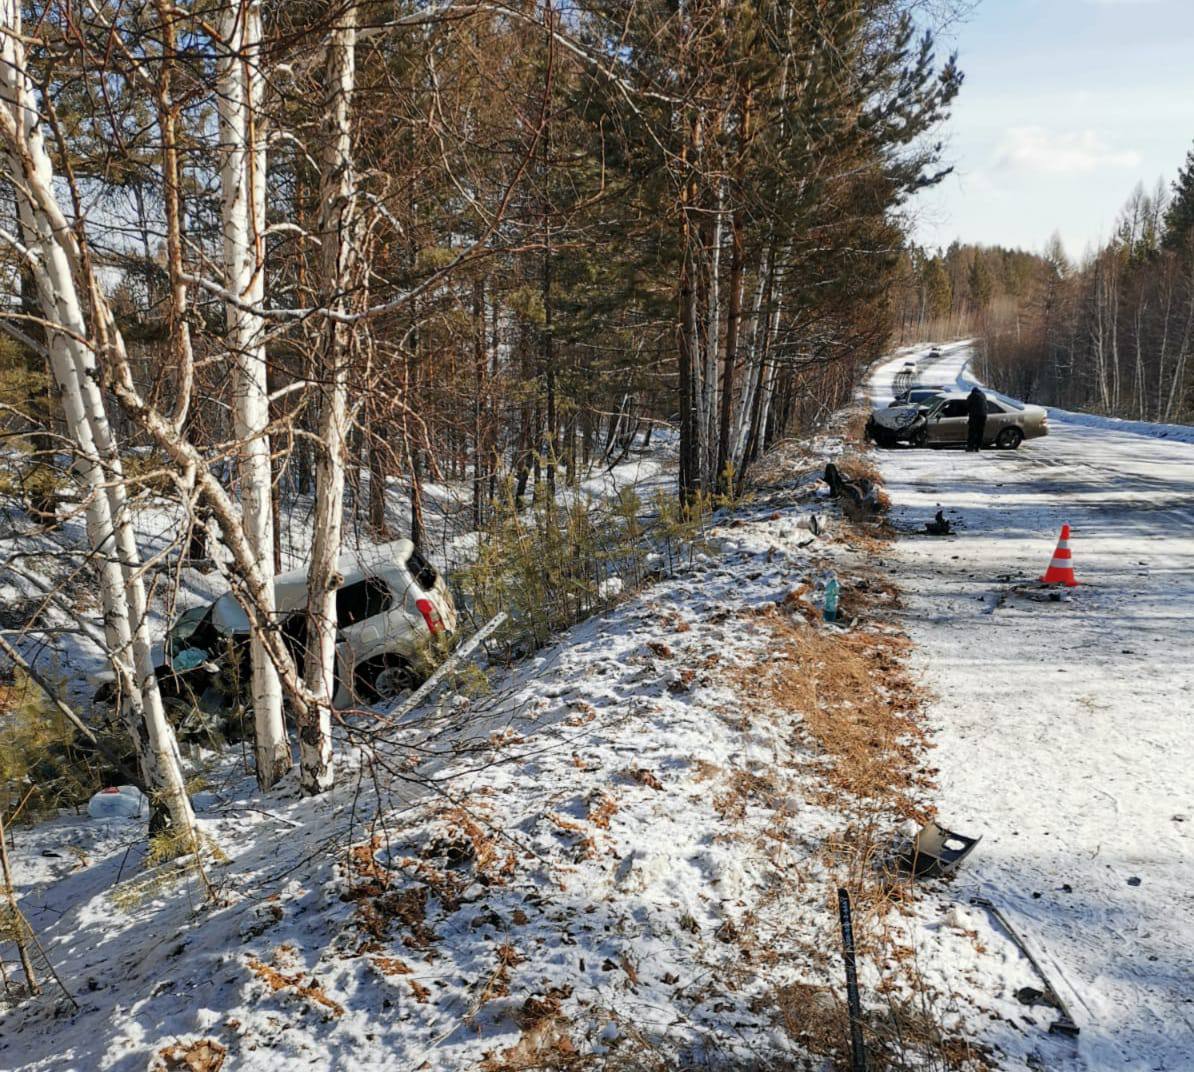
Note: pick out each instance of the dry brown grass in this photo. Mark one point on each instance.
(855, 701)
(545, 1042)
(601, 809)
(851, 702)
(854, 704)
(704, 770)
(859, 467)
(903, 1036)
(783, 462)
(292, 983)
(854, 427)
(743, 788)
(390, 966)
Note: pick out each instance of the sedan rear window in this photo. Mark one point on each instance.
(422, 571)
(994, 407)
(364, 599)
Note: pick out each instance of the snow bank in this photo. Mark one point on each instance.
(1178, 433)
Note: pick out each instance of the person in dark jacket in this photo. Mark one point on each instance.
(976, 412)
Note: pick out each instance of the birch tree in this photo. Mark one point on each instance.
(240, 88)
(66, 284)
(338, 237)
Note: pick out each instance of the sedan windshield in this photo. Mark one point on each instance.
(186, 623)
(192, 629)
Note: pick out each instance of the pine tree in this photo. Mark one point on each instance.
(1179, 219)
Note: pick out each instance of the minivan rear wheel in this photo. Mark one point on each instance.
(384, 678)
(1009, 438)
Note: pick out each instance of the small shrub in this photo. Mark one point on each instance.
(36, 485)
(39, 761)
(552, 565)
(149, 471)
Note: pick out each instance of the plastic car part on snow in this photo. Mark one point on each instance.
(936, 851)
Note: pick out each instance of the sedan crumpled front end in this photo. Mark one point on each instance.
(895, 424)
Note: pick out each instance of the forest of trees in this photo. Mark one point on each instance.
(1111, 334)
(259, 250)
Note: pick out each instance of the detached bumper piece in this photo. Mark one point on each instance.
(936, 852)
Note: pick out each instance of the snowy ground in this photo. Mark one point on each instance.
(1063, 730)
(627, 855)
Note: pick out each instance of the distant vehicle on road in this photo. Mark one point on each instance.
(1009, 422)
(906, 376)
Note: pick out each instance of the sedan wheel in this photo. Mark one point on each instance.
(1009, 438)
(384, 679)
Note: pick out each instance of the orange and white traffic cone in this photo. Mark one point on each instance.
(1061, 569)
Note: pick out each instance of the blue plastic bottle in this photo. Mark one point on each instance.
(831, 599)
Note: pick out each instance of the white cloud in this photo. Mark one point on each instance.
(1036, 149)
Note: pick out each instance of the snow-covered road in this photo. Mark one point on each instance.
(1064, 731)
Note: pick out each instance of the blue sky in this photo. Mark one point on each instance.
(1067, 104)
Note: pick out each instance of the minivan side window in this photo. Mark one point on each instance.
(361, 600)
(422, 571)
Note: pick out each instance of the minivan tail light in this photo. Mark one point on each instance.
(435, 624)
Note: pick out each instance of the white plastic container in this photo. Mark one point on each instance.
(118, 802)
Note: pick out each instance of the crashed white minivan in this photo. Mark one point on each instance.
(392, 609)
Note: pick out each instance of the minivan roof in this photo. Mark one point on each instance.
(290, 589)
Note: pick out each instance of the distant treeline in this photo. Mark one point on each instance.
(1112, 333)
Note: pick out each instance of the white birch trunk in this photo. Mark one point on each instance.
(240, 91)
(1162, 356)
(771, 373)
(710, 389)
(1138, 332)
(338, 238)
(1099, 337)
(1113, 328)
(750, 375)
(61, 273)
